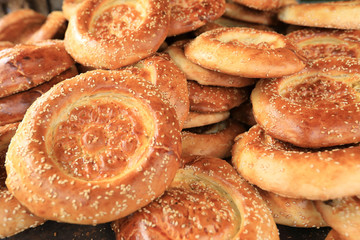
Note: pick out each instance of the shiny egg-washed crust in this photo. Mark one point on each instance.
(13, 107)
(69, 7)
(227, 22)
(216, 140)
(14, 218)
(282, 168)
(333, 235)
(202, 75)
(315, 43)
(160, 70)
(94, 148)
(19, 25)
(340, 15)
(293, 212)
(188, 15)
(118, 33)
(206, 200)
(317, 107)
(53, 28)
(240, 12)
(196, 119)
(27, 65)
(265, 5)
(245, 52)
(209, 99)
(342, 215)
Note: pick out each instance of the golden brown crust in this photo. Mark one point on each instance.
(117, 33)
(244, 52)
(341, 15)
(293, 212)
(69, 7)
(227, 22)
(207, 200)
(211, 99)
(342, 215)
(202, 75)
(53, 28)
(315, 43)
(19, 25)
(96, 139)
(196, 119)
(240, 12)
(14, 218)
(13, 107)
(215, 140)
(265, 5)
(317, 107)
(189, 15)
(160, 70)
(28, 65)
(290, 171)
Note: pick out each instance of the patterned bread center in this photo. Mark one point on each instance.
(320, 92)
(116, 20)
(101, 139)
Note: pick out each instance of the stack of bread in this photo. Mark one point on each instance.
(168, 90)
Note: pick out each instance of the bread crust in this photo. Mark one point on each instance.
(202, 97)
(86, 147)
(53, 28)
(294, 172)
(293, 212)
(160, 70)
(13, 107)
(315, 43)
(27, 65)
(117, 33)
(342, 215)
(245, 52)
(206, 200)
(317, 107)
(19, 25)
(189, 15)
(14, 217)
(202, 75)
(196, 119)
(340, 15)
(215, 141)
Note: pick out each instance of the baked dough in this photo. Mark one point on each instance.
(293, 212)
(315, 43)
(206, 200)
(196, 119)
(278, 167)
(13, 107)
(202, 75)
(210, 99)
(14, 217)
(317, 107)
(94, 148)
(342, 215)
(19, 25)
(341, 14)
(27, 65)
(111, 34)
(188, 15)
(215, 140)
(245, 52)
